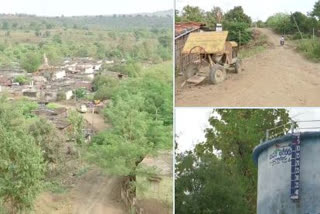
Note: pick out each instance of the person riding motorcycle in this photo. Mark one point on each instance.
(282, 40)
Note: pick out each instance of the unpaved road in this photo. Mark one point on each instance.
(96, 120)
(95, 193)
(277, 77)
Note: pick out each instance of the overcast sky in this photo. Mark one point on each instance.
(257, 9)
(83, 7)
(191, 123)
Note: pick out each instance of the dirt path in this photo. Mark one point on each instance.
(277, 77)
(94, 193)
(96, 120)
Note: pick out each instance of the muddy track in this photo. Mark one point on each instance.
(276, 77)
(94, 193)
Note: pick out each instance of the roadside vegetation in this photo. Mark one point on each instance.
(303, 29)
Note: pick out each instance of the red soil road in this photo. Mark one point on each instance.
(276, 77)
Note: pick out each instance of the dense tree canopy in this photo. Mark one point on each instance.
(233, 135)
(237, 15)
(205, 185)
(141, 118)
(22, 165)
(190, 13)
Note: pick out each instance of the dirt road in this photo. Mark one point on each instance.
(277, 77)
(96, 120)
(94, 193)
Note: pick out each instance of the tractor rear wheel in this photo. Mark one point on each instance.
(217, 74)
(190, 71)
(238, 66)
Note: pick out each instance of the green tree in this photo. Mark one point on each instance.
(214, 16)
(316, 10)
(77, 125)
(21, 79)
(281, 23)
(237, 15)
(21, 163)
(141, 116)
(206, 185)
(194, 14)
(305, 23)
(234, 134)
(31, 62)
(48, 139)
(238, 31)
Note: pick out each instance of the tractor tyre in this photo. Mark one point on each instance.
(238, 66)
(217, 74)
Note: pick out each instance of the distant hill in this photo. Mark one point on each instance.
(159, 19)
(159, 13)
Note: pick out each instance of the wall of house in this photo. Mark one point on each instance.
(60, 74)
(69, 94)
(161, 190)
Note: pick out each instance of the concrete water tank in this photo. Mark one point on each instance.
(289, 174)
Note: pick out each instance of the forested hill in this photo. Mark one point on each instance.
(161, 19)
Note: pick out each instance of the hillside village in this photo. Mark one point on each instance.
(54, 83)
(75, 88)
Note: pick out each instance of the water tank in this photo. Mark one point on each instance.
(289, 174)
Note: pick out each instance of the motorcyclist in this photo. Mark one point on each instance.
(282, 40)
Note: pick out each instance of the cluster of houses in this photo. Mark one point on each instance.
(51, 83)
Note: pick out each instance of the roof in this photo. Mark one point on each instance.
(182, 27)
(211, 42)
(265, 145)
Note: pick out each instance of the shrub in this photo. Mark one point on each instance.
(238, 31)
(104, 86)
(52, 106)
(50, 142)
(80, 93)
(31, 62)
(280, 23)
(21, 79)
(310, 48)
(104, 93)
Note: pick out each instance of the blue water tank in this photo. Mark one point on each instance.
(289, 174)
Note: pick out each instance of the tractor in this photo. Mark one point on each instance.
(214, 55)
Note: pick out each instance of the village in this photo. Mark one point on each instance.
(56, 90)
(57, 84)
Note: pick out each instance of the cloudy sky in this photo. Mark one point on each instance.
(254, 8)
(191, 123)
(83, 7)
